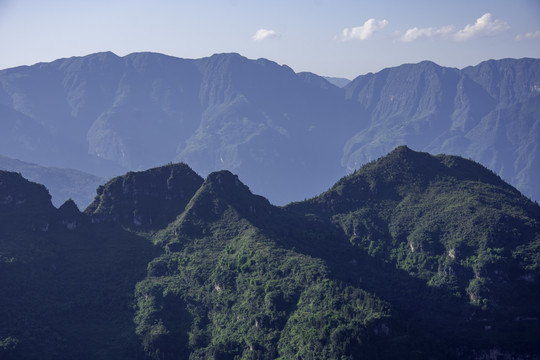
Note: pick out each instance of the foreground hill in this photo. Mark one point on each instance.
(412, 256)
(453, 226)
(66, 284)
(105, 115)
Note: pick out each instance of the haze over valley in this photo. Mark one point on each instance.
(289, 135)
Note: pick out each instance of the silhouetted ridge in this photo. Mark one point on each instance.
(150, 198)
(70, 216)
(18, 194)
(24, 205)
(69, 208)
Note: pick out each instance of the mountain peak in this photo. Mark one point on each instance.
(226, 185)
(99, 57)
(222, 59)
(69, 208)
(406, 165)
(19, 194)
(402, 151)
(24, 204)
(226, 55)
(148, 198)
(224, 179)
(404, 172)
(104, 55)
(70, 216)
(221, 191)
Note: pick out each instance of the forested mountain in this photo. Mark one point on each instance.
(66, 284)
(411, 256)
(63, 184)
(287, 134)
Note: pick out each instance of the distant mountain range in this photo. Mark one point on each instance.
(289, 135)
(412, 256)
(339, 82)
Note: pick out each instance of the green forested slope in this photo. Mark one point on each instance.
(412, 256)
(452, 225)
(242, 291)
(66, 285)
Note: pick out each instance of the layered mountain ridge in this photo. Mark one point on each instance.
(412, 255)
(472, 112)
(288, 135)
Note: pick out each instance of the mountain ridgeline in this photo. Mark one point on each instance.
(287, 134)
(411, 256)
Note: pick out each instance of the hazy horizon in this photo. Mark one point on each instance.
(336, 39)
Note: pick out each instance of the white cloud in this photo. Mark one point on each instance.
(527, 36)
(484, 25)
(416, 33)
(262, 34)
(363, 32)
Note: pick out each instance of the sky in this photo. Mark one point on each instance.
(339, 38)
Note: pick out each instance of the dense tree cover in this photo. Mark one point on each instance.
(412, 256)
(242, 295)
(451, 224)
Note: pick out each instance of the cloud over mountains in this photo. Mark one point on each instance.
(365, 31)
(485, 25)
(263, 34)
(416, 33)
(528, 36)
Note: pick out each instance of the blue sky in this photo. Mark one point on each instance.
(343, 38)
